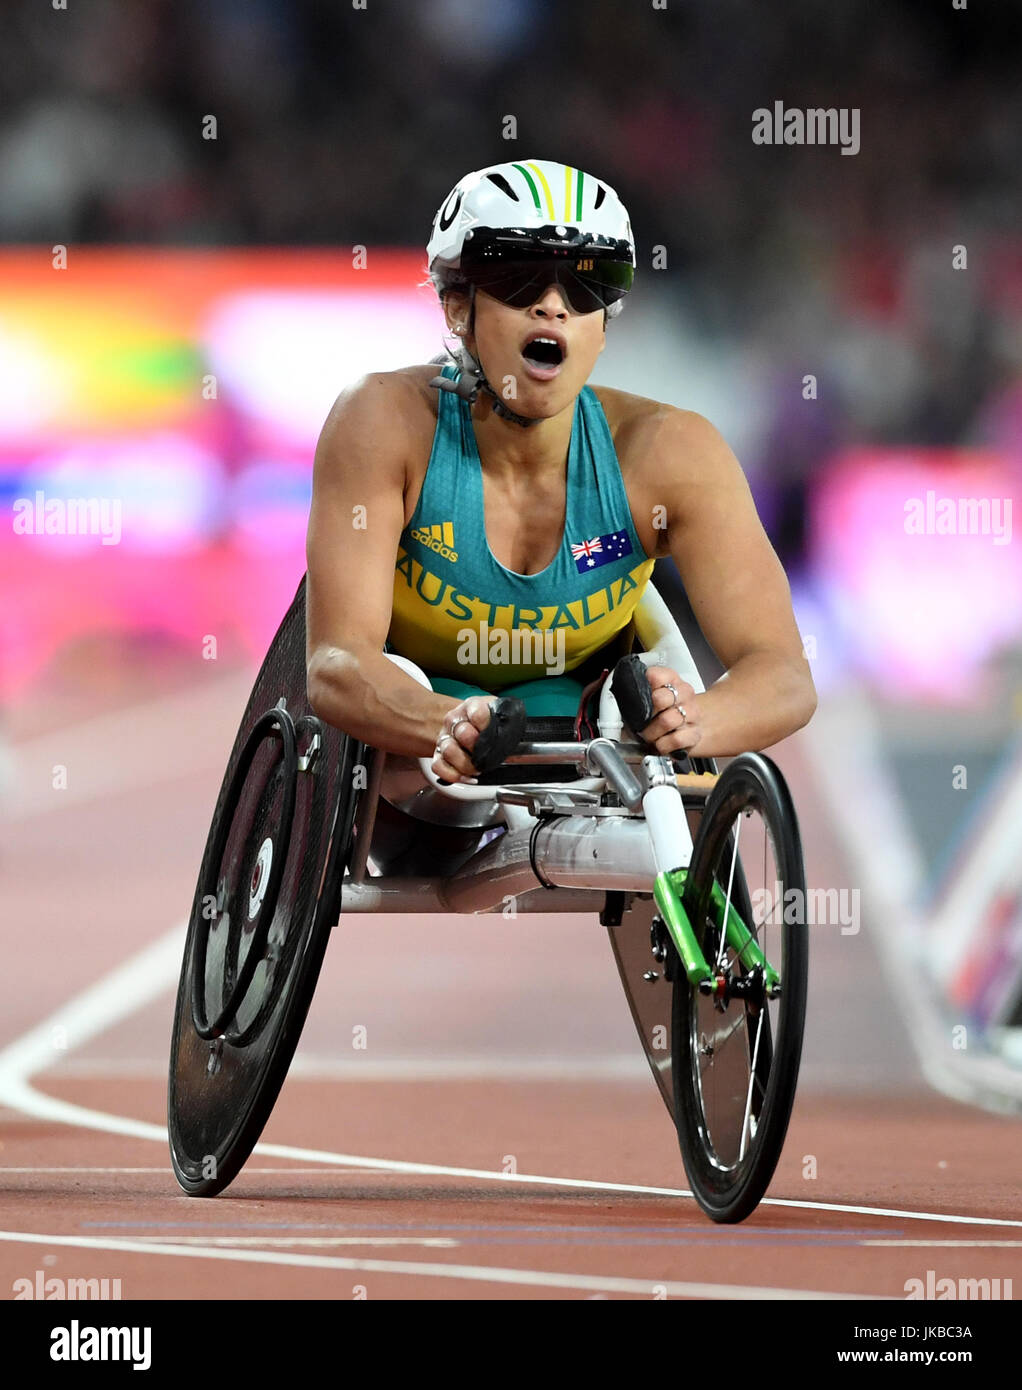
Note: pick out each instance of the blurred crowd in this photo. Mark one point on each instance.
(340, 125)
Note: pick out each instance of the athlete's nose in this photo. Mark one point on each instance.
(551, 303)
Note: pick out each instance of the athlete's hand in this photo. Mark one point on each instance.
(453, 762)
(676, 725)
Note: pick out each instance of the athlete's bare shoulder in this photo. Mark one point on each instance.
(636, 426)
(389, 413)
(401, 395)
(665, 455)
(416, 380)
(627, 413)
(380, 422)
(383, 423)
(647, 433)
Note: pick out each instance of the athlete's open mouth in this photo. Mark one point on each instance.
(543, 352)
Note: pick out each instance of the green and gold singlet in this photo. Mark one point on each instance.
(472, 624)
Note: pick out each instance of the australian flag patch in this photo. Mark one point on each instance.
(601, 550)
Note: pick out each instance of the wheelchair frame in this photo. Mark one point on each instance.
(610, 842)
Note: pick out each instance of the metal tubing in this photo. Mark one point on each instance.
(384, 895)
(604, 756)
(570, 752)
(594, 853)
(370, 800)
(668, 828)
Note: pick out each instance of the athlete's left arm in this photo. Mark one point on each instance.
(739, 594)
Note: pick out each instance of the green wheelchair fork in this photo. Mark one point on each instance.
(668, 891)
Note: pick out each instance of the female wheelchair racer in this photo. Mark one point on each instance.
(520, 491)
(446, 525)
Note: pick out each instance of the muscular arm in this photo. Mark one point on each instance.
(738, 591)
(360, 464)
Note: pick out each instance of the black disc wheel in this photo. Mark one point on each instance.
(267, 896)
(736, 1047)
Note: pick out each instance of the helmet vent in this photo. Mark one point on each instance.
(503, 185)
(600, 196)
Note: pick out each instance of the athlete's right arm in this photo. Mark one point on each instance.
(355, 526)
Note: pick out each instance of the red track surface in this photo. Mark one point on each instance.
(461, 1016)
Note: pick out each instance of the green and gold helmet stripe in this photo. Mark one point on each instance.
(540, 189)
(532, 187)
(546, 191)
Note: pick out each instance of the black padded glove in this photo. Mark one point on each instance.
(502, 734)
(634, 695)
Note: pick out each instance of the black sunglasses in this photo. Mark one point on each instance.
(517, 266)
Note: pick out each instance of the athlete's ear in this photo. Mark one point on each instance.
(457, 306)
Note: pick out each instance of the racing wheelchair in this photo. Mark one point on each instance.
(696, 874)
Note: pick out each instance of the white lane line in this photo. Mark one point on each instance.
(313, 1067)
(128, 988)
(950, 1244)
(245, 1242)
(166, 1170)
(946, 1218)
(47, 1107)
(479, 1274)
(147, 975)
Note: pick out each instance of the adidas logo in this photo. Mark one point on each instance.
(438, 538)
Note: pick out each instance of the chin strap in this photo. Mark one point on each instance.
(504, 411)
(473, 380)
(469, 385)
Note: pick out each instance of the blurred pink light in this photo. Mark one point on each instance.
(922, 613)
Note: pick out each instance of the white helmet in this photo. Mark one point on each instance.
(534, 212)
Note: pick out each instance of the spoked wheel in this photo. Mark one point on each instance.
(267, 896)
(736, 1051)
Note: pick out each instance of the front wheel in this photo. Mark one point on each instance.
(736, 1050)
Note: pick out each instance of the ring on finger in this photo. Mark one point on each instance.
(454, 726)
(440, 743)
(674, 693)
